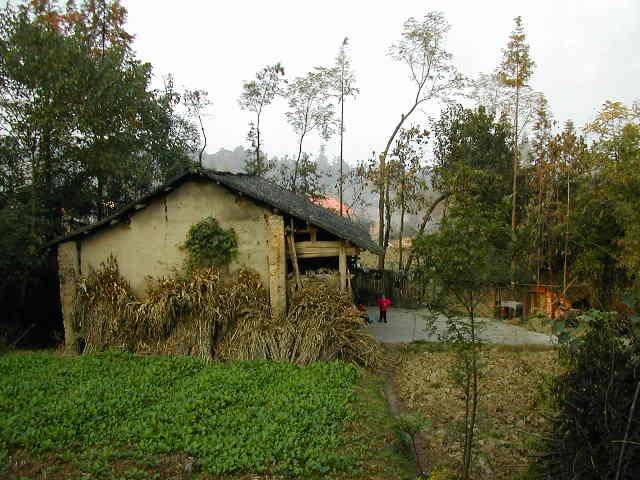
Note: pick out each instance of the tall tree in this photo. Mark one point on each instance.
(197, 102)
(256, 95)
(310, 109)
(489, 91)
(344, 86)
(465, 258)
(539, 209)
(421, 48)
(471, 156)
(81, 131)
(571, 149)
(515, 72)
(408, 179)
(605, 217)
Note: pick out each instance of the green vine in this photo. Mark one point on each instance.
(208, 244)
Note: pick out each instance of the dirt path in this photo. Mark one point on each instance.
(407, 326)
(396, 405)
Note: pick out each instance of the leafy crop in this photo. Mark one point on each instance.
(236, 417)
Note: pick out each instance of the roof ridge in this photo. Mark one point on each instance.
(259, 189)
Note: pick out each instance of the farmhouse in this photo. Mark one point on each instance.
(281, 235)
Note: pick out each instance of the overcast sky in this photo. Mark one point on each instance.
(585, 53)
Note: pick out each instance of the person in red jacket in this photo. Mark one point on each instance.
(384, 303)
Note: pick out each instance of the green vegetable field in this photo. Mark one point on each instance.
(240, 417)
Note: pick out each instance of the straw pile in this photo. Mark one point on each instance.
(321, 324)
(180, 315)
(104, 310)
(209, 315)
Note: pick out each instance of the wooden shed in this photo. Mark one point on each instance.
(281, 235)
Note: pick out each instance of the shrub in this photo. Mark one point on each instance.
(409, 426)
(210, 245)
(594, 419)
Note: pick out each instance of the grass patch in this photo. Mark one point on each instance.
(371, 435)
(83, 415)
(511, 417)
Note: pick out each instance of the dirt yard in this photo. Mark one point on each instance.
(510, 416)
(410, 325)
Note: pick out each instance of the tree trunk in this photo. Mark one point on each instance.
(297, 165)
(467, 408)
(384, 181)
(514, 195)
(400, 233)
(471, 420)
(258, 142)
(303, 132)
(516, 155)
(566, 237)
(387, 207)
(423, 225)
(381, 222)
(204, 136)
(341, 137)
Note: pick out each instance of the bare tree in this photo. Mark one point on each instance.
(256, 95)
(197, 102)
(490, 92)
(310, 109)
(344, 80)
(434, 76)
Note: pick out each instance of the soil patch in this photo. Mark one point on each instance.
(511, 411)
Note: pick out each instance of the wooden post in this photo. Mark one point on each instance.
(69, 271)
(277, 260)
(294, 259)
(342, 265)
(495, 302)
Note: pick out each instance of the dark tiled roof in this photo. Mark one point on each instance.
(261, 191)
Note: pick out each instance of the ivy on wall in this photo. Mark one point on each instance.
(208, 244)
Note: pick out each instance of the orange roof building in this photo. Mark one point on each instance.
(333, 204)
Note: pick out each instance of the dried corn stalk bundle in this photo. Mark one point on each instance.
(323, 324)
(180, 314)
(243, 314)
(251, 327)
(212, 316)
(105, 309)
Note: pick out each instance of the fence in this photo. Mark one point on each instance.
(404, 290)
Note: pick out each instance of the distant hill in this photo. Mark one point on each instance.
(226, 160)
(233, 161)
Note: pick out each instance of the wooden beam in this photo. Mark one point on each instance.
(323, 249)
(342, 266)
